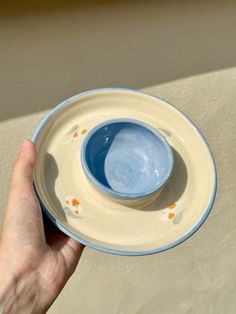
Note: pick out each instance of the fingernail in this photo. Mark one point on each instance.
(24, 145)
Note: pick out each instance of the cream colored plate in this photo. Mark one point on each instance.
(84, 213)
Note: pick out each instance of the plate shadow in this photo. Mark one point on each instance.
(50, 170)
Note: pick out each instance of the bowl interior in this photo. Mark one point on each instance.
(127, 158)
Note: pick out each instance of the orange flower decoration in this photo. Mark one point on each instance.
(171, 215)
(171, 206)
(75, 134)
(75, 202)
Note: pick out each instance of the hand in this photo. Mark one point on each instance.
(36, 259)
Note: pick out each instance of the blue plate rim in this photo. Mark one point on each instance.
(63, 228)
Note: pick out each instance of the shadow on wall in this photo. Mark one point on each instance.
(13, 8)
(51, 50)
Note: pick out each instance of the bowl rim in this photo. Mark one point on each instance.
(110, 191)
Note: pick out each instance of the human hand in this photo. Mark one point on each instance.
(36, 258)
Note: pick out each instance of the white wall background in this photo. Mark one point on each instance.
(50, 50)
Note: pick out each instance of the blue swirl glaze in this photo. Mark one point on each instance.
(127, 158)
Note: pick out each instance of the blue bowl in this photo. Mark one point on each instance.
(127, 159)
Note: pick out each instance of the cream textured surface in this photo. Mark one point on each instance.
(199, 275)
(102, 220)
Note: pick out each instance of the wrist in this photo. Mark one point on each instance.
(7, 291)
(18, 293)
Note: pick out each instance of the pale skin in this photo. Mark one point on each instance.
(36, 259)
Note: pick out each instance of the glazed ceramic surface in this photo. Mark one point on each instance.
(126, 159)
(83, 212)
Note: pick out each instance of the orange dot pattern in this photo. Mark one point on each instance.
(75, 134)
(75, 202)
(171, 215)
(171, 206)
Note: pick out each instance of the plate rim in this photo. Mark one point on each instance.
(71, 234)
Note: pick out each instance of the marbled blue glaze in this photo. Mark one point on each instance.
(127, 158)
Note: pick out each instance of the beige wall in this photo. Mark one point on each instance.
(196, 277)
(50, 50)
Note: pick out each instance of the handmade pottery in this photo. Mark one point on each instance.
(127, 159)
(88, 215)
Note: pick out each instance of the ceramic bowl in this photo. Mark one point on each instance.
(127, 159)
(82, 211)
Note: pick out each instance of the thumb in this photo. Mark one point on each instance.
(23, 167)
(23, 217)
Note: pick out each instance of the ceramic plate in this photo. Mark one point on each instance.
(86, 214)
